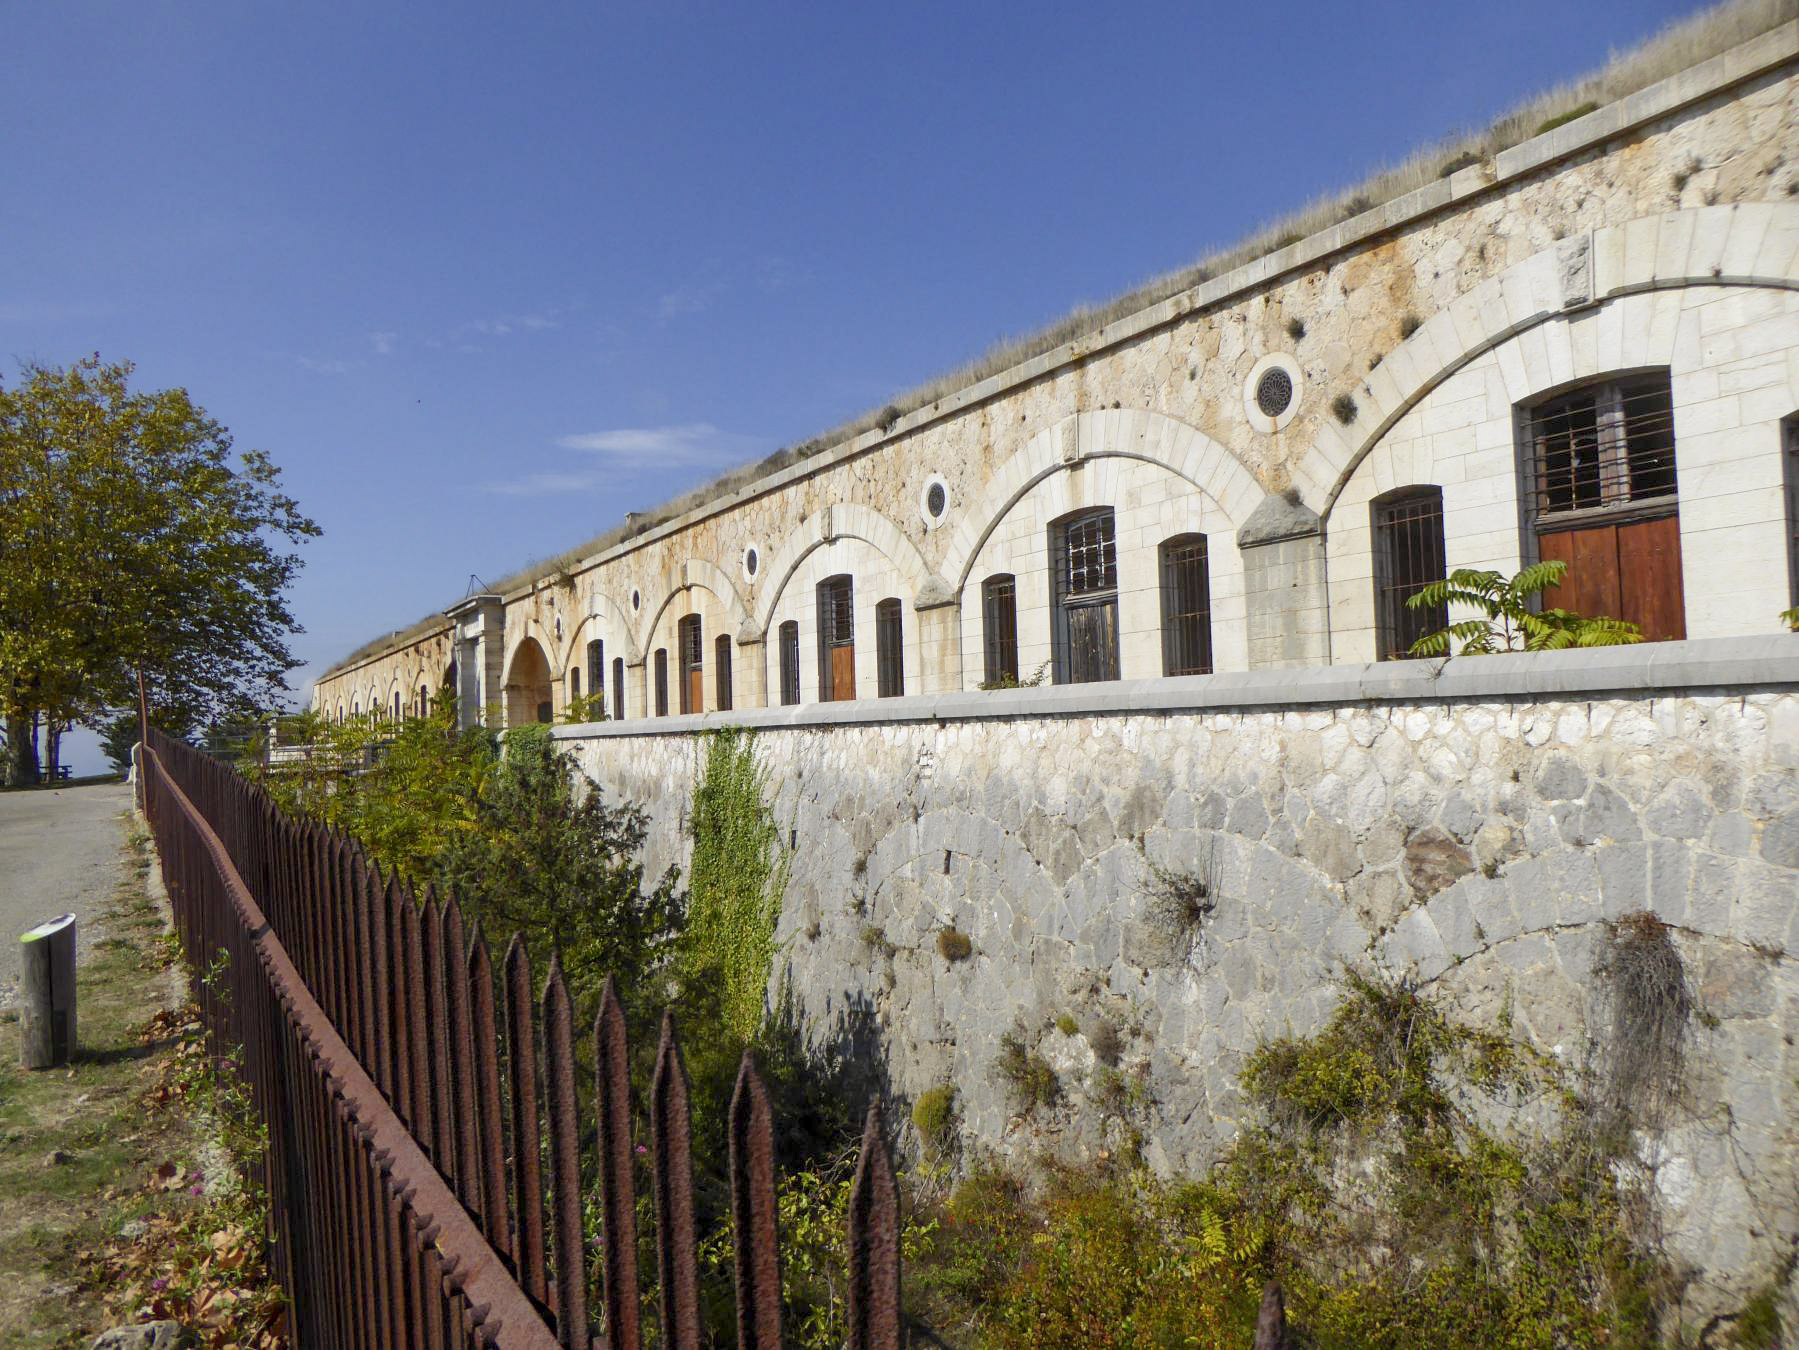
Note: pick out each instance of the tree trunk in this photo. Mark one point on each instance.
(21, 749)
(52, 748)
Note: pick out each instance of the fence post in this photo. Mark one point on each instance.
(47, 993)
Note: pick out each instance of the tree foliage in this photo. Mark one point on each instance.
(133, 537)
(1506, 619)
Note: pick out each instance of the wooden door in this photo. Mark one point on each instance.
(696, 690)
(1629, 571)
(1093, 642)
(843, 671)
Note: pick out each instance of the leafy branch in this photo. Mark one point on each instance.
(1506, 618)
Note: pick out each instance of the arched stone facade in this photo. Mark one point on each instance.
(1413, 335)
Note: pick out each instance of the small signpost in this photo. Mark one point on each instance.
(47, 993)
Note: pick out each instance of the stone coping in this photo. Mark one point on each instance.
(1772, 50)
(1735, 665)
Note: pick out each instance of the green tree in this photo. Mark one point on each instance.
(133, 537)
(1506, 619)
(547, 856)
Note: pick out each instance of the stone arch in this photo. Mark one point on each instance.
(529, 685)
(844, 520)
(1127, 433)
(1746, 244)
(603, 607)
(708, 577)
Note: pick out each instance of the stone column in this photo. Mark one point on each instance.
(637, 688)
(1282, 544)
(750, 673)
(939, 639)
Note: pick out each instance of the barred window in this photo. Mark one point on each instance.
(618, 688)
(889, 646)
(790, 662)
(574, 683)
(721, 667)
(662, 681)
(1789, 432)
(999, 623)
(1186, 606)
(1408, 555)
(396, 705)
(836, 639)
(596, 667)
(1602, 497)
(687, 642)
(424, 700)
(1084, 594)
(1608, 446)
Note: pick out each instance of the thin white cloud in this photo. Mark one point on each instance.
(506, 325)
(328, 366)
(543, 484)
(383, 343)
(691, 443)
(625, 450)
(685, 300)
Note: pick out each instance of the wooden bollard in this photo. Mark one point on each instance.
(47, 994)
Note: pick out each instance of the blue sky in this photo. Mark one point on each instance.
(482, 277)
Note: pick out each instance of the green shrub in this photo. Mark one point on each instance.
(1562, 119)
(1507, 618)
(739, 873)
(1032, 1081)
(934, 1117)
(1067, 1025)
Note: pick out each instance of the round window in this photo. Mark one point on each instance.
(933, 502)
(636, 600)
(751, 561)
(1274, 391)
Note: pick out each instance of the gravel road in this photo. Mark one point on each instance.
(60, 850)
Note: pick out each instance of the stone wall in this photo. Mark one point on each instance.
(1472, 826)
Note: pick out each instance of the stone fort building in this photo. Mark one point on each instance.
(1198, 518)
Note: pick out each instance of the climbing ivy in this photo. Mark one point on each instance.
(736, 881)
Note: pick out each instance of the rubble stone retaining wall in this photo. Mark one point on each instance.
(1471, 825)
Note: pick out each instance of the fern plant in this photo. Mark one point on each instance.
(1505, 620)
(1790, 617)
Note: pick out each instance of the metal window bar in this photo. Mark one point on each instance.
(1605, 447)
(790, 662)
(596, 668)
(889, 648)
(721, 668)
(999, 622)
(662, 681)
(409, 1097)
(1408, 554)
(836, 628)
(1789, 431)
(574, 684)
(1186, 607)
(618, 688)
(692, 659)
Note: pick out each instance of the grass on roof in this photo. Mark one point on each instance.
(1678, 47)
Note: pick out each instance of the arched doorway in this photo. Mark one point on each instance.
(528, 694)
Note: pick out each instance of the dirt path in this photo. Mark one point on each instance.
(59, 852)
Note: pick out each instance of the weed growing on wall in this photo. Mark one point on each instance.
(1507, 617)
(1367, 1180)
(737, 878)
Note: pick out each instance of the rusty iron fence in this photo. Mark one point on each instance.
(414, 1107)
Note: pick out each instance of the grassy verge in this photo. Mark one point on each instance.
(120, 1197)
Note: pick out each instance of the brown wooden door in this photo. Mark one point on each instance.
(843, 671)
(1629, 571)
(696, 690)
